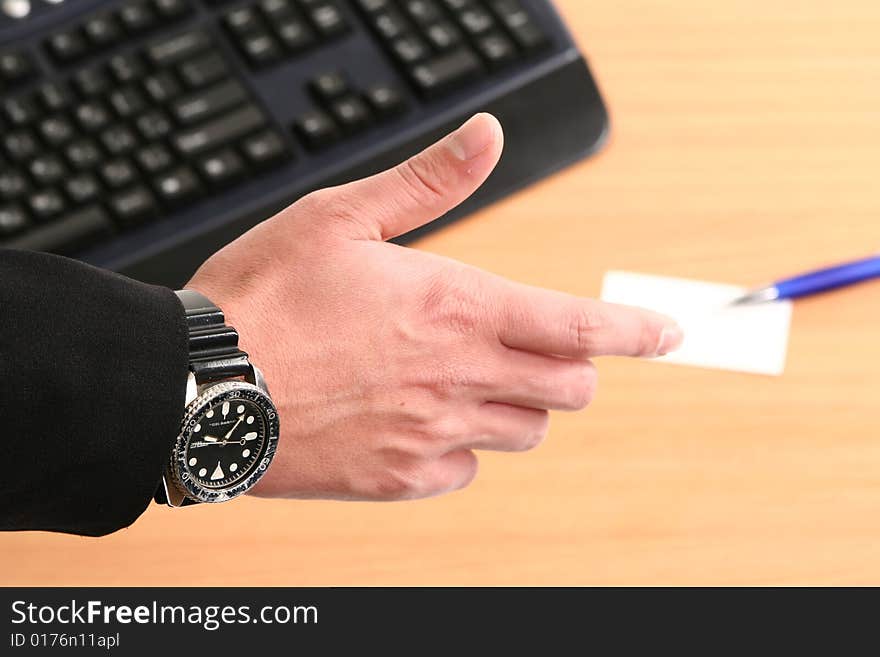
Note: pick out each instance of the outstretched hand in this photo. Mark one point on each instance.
(389, 365)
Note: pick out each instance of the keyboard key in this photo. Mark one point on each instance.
(137, 16)
(67, 233)
(410, 49)
(179, 47)
(45, 204)
(102, 30)
(524, 30)
(177, 186)
(56, 131)
(47, 170)
(92, 116)
(82, 188)
(154, 158)
(316, 129)
(221, 167)
(15, 66)
(154, 125)
(118, 139)
(66, 47)
(390, 25)
(294, 34)
(126, 68)
(171, 9)
(133, 206)
(242, 21)
(423, 12)
(162, 87)
(476, 20)
(20, 145)
(443, 35)
(118, 173)
(276, 9)
(12, 185)
(220, 131)
(384, 99)
(204, 104)
(261, 48)
(12, 220)
(204, 70)
(83, 154)
(445, 71)
(496, 48)
(20, 111)
(328, 20)
(127, 101)
(265, 148)
(91, 82)
(54, 96)
(351, 113)
(327, 86)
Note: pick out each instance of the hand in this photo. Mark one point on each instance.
(390, 365)
(234, 427)
(210, 441)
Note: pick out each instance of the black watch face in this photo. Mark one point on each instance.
(227, 442)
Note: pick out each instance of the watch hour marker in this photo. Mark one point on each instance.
(197, 428)
(225, 409)
(193, 461)
(209, 414)
(250, 419)
(218, 472)
(203, 472)
(233, 467)
(250, 436)
(239, 410)
(245, 453)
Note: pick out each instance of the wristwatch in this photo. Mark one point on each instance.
(229, 432)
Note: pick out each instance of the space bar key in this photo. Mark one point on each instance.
(219, 131)
(66, 234)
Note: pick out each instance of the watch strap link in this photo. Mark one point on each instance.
(213, 346)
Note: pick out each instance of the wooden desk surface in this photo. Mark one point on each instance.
(746, 144)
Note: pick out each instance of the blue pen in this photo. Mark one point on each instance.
(813, 282)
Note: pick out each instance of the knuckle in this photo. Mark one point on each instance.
(447, 430)
(466, 472)
(535, 434)
(403, 478)
(333, 206)
(323, 201)
(423, 179)
(649, 338)
(583, 327)
(583, 388)
(453, 302)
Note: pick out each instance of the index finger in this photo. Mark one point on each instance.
(550, 322)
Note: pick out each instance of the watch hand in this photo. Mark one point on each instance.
(234, 427)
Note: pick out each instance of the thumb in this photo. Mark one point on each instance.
(423, 187)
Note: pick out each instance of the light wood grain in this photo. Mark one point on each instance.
(746, 144)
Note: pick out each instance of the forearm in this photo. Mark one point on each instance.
(93, 367)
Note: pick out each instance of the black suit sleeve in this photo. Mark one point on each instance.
(92, 382)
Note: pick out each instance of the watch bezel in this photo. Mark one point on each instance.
(214, 394)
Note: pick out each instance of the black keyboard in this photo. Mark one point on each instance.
(142, 135)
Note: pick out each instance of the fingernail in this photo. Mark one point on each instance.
(670, 340)
(473, 138)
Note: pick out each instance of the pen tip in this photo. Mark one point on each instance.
(756, 296)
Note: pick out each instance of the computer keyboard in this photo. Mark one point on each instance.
(142, 135)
